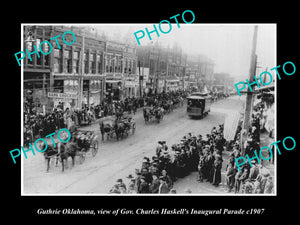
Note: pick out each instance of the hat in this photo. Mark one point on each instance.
(162, 178)
(120, 180)
(145, 160)
(172, 191)
(129, 176)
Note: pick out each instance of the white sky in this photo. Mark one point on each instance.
(229, 45)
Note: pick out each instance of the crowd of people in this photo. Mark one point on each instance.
(205, 155)
(193, 153)
(249, 179)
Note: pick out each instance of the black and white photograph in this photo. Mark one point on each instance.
(149, 109)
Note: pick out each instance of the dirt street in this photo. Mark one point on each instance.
(117, 159)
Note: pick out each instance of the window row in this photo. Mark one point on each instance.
(92, 63)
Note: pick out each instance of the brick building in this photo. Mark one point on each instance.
(92, 68)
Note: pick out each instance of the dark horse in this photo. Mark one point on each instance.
(67, 150)
(121, 128)
(49, 153)
(106, 129)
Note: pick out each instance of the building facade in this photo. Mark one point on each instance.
(36, 69)
(86, 73)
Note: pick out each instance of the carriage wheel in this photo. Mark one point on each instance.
(94, 148)
(82, 156)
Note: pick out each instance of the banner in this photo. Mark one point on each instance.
(62, 95)
(231, 124)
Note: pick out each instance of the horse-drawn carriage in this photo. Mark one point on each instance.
(117, 126)
(155, 113)
(80, 144)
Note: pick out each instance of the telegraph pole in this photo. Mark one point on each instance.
(81, 73)
(140, 78)
(249, 97)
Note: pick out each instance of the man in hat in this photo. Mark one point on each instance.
(269, 186)
(154, 186)
(120, 184)
(237, 181)
(143, 187)
(201, 167)
(163, 187)
(244, 175)
(137, 180)
(164, 146)
(254, 170)
(115, 190)
(131, 183)
(145, 163)
(167, 178)
(217, 166)
(159, 148)
(230, 174)
(210, 159)
(147, 175)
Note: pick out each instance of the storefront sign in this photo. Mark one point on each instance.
(61, 95)
(62, 100)
(131, 83)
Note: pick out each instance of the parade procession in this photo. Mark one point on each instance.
(157, 117)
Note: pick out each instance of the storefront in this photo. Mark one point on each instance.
(95, 92)
(114, 87)
(36, 86)
(131, 87)
(63, 100)
(172, 85)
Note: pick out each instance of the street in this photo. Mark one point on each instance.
(118, 159)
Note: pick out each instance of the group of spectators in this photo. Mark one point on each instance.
(256, 179)
(40, 125)
(205, 155)
(157, 175)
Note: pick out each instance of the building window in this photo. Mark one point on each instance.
(57, 63)
(38, 59)
(109, 67)
(126, 66)
(67, 61)
(76, 62)
(29, 47)
(86, 65)
(99, 63)
(92, 63)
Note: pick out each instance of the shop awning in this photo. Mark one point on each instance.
(113, 81)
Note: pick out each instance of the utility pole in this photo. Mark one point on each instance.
(249, 97)
(81, 73)
(140, 78)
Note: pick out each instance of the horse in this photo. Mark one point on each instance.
(50, 152)
(158, 112)
(146, 114)
(106, 129)
(67, 150)
(120, 129)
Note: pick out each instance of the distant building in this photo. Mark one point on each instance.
(223, 82)
(199, 72)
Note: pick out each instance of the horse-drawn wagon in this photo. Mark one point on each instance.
(80, 144)
(117, 126)
(152, 113)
